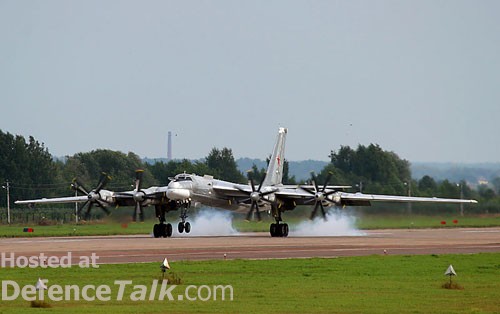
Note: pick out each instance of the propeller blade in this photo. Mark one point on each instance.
(314, 211)
(314, 182)
(103, 205)
(102, 182)
(87, 213)
(267, 193)
(258, 212)
(323, 211)
(326, 181)
(77, 185)
(252, 184)
(249, 214)
(134, 214)
(81, 208)
(141, 213)
(310, 200)
(261, 181)
(244, 200)
(138, 179)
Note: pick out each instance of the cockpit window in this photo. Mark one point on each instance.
(183, 178)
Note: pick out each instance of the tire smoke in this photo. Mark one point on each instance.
(209, 222)
(337, 224)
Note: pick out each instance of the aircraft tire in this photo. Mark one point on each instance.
(168, 230)
(187, 227)
(156, 231)
(278, 230)
(272, 230)
(180, 227)
(284, 230)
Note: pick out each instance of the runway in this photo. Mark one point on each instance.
(127, 249)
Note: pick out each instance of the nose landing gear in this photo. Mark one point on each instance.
(184, 226)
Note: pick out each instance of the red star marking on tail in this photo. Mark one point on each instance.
(278, 159)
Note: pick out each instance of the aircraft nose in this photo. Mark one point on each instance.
(178, 194)
(174, 185)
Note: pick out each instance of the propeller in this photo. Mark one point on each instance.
(138, 195)
(318, 195)
(255, 196)
(94, 196)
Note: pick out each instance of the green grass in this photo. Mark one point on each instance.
(362, 221)
(373, 284)
(373, 221)
(109, 228)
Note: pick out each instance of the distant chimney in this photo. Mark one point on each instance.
(169, 148)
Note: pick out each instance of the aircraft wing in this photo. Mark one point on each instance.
(300, 196)
(57, 200)
(229, 191)
(353, 197)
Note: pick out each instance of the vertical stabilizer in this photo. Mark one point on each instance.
(275, 169)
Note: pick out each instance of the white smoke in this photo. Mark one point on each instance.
(209, 222)
(337, 224)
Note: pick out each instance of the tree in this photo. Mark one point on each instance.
(496, 184)
(486, 192)
(221, 164)
(427, 185)
(380, 171)
(27, 165)
(121, 167)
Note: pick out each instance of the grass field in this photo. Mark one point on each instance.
(371, 221)
(373, 284)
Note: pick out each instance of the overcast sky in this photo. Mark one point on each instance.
(420, 78)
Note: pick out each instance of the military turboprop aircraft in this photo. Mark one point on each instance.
(270, 194)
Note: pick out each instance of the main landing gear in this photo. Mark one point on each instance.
(164, 229)
(279, 230)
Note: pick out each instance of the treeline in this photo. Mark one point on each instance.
(370, 169)
(33, 173)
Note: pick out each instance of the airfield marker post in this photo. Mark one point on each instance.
(7, 188)
(164, 266)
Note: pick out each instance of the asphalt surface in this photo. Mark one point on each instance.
(127, 249)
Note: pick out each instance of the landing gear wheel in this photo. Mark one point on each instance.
(272, 230)
(284, 230)
(279, 230)
(180, 227)
(168, 229)
(187, 227)
(156, 231)
(163, 231)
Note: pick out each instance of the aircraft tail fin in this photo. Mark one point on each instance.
(275, 168)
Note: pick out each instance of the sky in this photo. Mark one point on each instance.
(420, 78)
